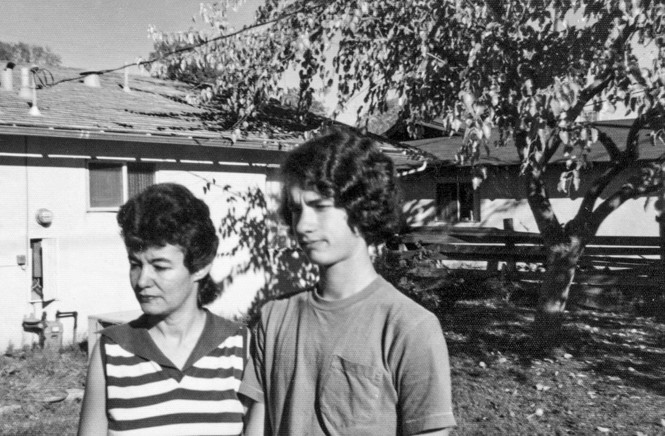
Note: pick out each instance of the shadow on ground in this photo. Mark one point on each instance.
(619, 345)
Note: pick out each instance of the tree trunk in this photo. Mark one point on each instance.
(562, 258)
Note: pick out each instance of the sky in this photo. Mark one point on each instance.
(105, 34)
(99, 34)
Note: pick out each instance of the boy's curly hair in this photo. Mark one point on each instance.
(168, 213)
(352, 171)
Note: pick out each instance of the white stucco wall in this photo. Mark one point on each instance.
(15, 289)
(91, 273)
(503, 195)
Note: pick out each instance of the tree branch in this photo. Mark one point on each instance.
(610, 146)
(632, 151)
(599, 185)
(628, 191)
(587, 94)
(538, 198)
(555, 143)
(620, 161)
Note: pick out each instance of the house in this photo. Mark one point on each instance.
(71, 152)
(442, 193)
(73, 147)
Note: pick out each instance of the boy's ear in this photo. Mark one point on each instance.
(198, 275)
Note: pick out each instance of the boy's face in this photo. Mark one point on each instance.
(322, 229)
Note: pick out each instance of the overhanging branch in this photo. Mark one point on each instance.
(620, 161)
(587, 94)
(612, 203)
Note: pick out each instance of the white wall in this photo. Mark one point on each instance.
(503, 195)
(92, 269)
(15, 289)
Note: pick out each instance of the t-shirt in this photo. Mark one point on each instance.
(148, 395)
(375, 363)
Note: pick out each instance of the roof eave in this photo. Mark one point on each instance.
(141, 137)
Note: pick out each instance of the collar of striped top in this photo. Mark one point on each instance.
(134, 337)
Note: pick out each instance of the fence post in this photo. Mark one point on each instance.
(661, 225)
(509, 266)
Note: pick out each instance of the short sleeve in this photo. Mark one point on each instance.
(252, 385)
(423, 378)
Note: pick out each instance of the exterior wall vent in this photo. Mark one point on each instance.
(7, 77)
(26, 90)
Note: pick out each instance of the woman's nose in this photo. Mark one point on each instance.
(144, 278)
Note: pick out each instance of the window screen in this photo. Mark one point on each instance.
(139, 177)
(105, 184)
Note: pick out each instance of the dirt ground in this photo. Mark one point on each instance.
(608, 378)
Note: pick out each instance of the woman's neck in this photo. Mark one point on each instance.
(180, 327)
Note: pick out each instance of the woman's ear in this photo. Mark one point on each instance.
(201, 273)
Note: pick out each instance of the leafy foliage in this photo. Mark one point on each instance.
(265, 246)
(530, 70)
(532, 74)
(21, 52)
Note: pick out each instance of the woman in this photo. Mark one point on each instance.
(176, 369)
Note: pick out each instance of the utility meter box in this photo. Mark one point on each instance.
(52, 335)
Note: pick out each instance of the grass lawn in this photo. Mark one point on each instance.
(34, 397)
(608, 378)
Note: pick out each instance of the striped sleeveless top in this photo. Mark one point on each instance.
(147, 395)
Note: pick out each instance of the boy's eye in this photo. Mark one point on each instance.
(160, 267)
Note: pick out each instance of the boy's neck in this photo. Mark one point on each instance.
(343, 280)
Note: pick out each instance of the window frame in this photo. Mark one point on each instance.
(125, 182)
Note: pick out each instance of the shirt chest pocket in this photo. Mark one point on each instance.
(350, 395)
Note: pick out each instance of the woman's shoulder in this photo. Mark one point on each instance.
(220, 323)
(121, 332)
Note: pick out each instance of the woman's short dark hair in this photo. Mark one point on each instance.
(168, 213)
(353, 172)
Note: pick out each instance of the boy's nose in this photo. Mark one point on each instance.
(303, 223)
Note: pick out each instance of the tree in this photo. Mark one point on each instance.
(21, 52)
(529, 68)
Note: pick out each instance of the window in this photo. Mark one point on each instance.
(111, 184)
(457, 202)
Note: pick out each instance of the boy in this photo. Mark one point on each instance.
(353, 356)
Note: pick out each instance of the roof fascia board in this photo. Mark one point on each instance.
(133, 137)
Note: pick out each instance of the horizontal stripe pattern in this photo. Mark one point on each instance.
(144, 398)
(164, 386)
(203, 406)
(207, 429)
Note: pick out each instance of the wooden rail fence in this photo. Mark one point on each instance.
(624, 262)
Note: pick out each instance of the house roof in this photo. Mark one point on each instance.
(154, 110)
(445, 148)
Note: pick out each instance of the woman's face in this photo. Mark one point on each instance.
(162, 283)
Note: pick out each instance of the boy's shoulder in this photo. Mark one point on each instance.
(284, 301)
(398, 306)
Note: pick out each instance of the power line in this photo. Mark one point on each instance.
(194, 46)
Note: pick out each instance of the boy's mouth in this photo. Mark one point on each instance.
(308, 243)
